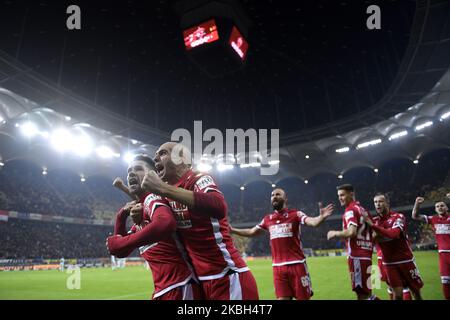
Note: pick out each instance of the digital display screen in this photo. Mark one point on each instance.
(203, 33)
(238, 43)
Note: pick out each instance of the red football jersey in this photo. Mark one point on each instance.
(206, 239)
(441, 228)
(395, 251)
(360, 246)
(168, 262)
(284, 227)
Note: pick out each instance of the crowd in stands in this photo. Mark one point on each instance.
(24, 188)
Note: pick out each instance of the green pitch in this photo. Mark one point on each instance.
(329, 275)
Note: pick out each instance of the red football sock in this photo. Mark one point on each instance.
(446, 288)
(406, 294)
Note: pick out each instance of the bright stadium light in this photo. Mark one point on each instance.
(134, 141)
(273, 185)
(306, 181)
(204, 167)
(61, 139)
(128, 157)
(106, 152)
(82, 178)
(1, 119)
(272, 162)
(82, 145)
(2, 163)
(375, 170)
(342, 150)
(398, 135)
(424, 125)
(44, 171)
(224, 167)
(416, 161)
(67, 118)
(29, 129)
(307, 156)
(340, 176)
(242, 188)
(368, 143)
(445, 116)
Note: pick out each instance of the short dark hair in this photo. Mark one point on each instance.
(145, 158)
(384, 195)
(346, 187)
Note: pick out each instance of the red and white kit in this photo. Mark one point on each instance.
(359, 248)
(204, 232)
(290, 272)
(398, 259)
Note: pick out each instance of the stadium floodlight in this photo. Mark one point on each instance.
(134, 141)
(67, 118)
(242, 188)
(44, 171)
(61, 139)
(342, 150)
(398, 135)
(368, 143)
(82, 145)
(307, 156)
(273, 185)
(29, 129)
(375, 170)
(223, 167)
(273, 162)
(106, 152)
(82, 178)
(2, 163)
(340, 176)
(416, 161)
(306, 181)
(424, 125)
(445, 116)
(128, 157)
(1, 119)
(204, 167)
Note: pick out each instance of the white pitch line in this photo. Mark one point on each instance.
(127, 296)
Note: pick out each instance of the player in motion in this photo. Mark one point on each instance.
(359, 242)
(201, 213)
(398, 260)
(441, 227)
(154, 234)
(290, 272)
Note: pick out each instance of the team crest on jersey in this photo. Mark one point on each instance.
(348, 215)
(204, 182)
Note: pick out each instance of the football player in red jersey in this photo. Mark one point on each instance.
(441, 227)
(201, 214)
(290, 272)
(359, 242)
(391, 235)
(154, 234)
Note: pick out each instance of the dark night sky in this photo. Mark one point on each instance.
(309, 62)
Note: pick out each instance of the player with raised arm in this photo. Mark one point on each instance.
(154, 233)
(290, 272)
(441, 227)
(398, 260)
(201, 213)
(359, 242)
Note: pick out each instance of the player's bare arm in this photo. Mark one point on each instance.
(415, 212)
(324, 213)
(346, 234)
(250, 232)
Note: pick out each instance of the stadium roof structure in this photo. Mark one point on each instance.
(411, 119)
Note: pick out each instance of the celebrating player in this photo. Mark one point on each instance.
(441, 227)
(398, 260)
(359, 242)
(290, 272)
(154, 235)
(201, 213)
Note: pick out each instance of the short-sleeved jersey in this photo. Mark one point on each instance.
(441, 228)
(284, 227)
(167, 260)
(206, 239)
(360, 246)
(398, 250)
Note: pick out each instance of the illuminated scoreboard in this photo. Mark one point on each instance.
(238, 43)
(203, 33)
